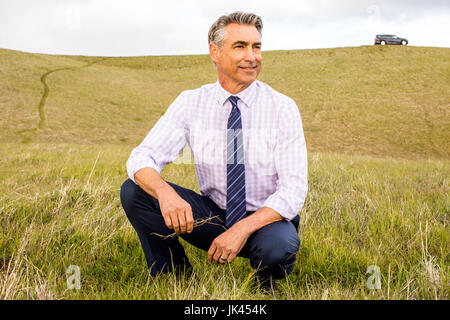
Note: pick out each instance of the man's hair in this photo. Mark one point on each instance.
(217, 32)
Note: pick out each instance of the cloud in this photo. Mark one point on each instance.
(133, 27)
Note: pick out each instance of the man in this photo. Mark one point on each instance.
(250, 158)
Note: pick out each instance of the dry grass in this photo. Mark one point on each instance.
(376, 123)
(360, 211)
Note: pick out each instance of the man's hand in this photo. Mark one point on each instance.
(226, 247)
(231, 242)
(176, 211)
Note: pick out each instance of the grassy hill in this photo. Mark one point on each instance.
(376, 121)
(381, 101)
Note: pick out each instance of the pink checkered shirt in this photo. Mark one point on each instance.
(275, 158)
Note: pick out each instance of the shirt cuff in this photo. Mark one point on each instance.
(281, 206)
(132, 168)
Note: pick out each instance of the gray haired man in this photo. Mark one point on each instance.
(251, 193)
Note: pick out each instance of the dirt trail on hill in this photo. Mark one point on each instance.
(41, 106)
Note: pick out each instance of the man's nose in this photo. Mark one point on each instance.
(249, 55)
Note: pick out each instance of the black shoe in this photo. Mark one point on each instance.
(184, 272)
(266, 285)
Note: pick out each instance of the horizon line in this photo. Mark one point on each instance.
(206, 54)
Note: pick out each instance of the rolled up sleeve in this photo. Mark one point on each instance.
(163, 143)
(291, 164)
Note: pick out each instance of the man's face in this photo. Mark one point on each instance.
(239, 61)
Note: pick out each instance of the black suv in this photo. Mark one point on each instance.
(390, 39)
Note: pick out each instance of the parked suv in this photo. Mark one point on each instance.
(390, 39)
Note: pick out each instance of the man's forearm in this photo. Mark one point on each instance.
(151, 182)
(259, 219)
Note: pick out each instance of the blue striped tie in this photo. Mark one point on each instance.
(236, 204)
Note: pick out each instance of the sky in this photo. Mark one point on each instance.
(169, 27)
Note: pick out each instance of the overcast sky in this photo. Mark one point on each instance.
(168, 27)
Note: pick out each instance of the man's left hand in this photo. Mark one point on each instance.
(226, 246)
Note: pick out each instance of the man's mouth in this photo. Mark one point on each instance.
(248, 67)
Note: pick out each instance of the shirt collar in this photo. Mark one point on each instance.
(247, 96)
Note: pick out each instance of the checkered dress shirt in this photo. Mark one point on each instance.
(274, 145)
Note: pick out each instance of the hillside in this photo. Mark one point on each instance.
(382, 101)
(376, 122)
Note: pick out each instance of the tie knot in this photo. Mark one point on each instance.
(233, 100)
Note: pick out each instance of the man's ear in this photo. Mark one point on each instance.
(214, 52)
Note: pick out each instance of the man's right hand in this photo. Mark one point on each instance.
(176, 211)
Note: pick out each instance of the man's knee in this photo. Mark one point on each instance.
(131, 195)
(276, 254)
(128, 194)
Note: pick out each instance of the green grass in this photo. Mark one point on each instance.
(376, 123)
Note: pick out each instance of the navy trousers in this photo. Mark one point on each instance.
(271, 250)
